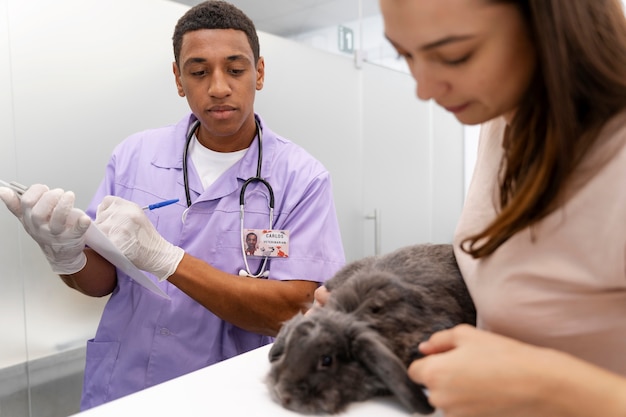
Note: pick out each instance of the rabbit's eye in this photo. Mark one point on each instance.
(325, 361)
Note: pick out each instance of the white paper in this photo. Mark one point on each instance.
(97, 241)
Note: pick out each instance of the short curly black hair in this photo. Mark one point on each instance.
(215, 14)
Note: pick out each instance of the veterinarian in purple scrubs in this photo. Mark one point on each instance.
(194, 249)
(541, 241)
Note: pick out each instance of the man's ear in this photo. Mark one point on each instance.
(179, 85)
(260, 73)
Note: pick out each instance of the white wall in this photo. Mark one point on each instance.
(78, 76)
(9, 277)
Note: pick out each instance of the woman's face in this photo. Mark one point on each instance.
(475, 58)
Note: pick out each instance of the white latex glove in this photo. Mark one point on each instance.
(127, 226)
(50, 218)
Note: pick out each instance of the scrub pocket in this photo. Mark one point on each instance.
(101, 357)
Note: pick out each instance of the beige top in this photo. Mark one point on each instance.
(566, 288)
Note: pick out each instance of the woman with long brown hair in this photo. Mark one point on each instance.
(542, 238)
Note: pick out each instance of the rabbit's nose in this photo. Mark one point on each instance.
(282, 397)
(286, 400)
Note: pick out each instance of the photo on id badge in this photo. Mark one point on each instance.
(265, 242)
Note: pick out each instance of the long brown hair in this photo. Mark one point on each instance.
(580, 83)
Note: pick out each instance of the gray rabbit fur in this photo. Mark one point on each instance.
(361, 342)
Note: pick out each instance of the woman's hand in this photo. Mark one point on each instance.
(471, 373)
(321, 295)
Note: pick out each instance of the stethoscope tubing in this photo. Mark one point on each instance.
(261, 272)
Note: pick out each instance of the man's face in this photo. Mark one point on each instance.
(251, 240)
(219, 78)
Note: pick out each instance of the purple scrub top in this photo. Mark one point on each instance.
(143, 339)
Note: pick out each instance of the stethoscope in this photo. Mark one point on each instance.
(261, 272)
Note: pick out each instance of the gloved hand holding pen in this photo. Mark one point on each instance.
(126, 225)
(49, 217)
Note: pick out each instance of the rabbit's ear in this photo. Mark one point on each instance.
(383, 363)
(277, 349)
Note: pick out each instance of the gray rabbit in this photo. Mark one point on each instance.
(361, 342)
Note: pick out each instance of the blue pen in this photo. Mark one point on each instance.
(161, 204)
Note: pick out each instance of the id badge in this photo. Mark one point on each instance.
(266, 242)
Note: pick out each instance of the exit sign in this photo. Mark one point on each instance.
(345, 38)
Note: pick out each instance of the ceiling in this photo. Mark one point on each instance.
(291, 17)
